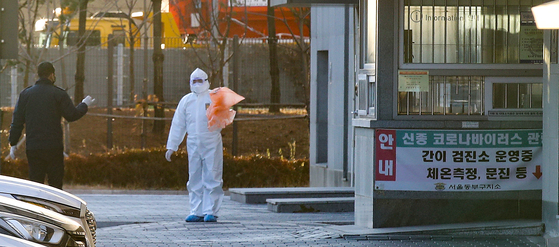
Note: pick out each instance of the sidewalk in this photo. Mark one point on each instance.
(156, 218)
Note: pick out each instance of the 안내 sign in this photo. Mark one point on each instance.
(458, 160)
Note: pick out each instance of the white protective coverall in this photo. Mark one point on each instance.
(205, 148)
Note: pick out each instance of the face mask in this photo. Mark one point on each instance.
(200, 87)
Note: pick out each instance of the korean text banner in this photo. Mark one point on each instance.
(458, 160)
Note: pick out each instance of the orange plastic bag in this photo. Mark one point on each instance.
(219, 115)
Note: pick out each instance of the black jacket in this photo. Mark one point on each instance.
(41, 108)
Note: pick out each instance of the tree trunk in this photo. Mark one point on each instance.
(275, 93)
(305, 67)
(80, 63)
(61, 54)
(26, 74)
(158, 125)
(222, 48)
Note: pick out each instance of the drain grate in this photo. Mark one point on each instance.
(316, 233)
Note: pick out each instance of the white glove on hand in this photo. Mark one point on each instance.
(88, 100)
(168, 154)
(13, 152)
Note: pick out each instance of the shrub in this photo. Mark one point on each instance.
(148, 169)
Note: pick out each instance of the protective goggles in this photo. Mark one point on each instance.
(198, 80)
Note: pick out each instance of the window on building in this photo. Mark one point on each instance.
(369, 32)
(366, 95)
(119, 36)
(322, 107)
(471, 32)
(194, 20)
(45, 40)
(93, 38)
(514, 96)
(517, 95)
(198, 4)
(446, 95)
(366, 89)
(553, 41)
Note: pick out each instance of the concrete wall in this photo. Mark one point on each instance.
(364, 182)
(329, 34)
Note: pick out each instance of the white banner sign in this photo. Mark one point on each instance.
(458, 160)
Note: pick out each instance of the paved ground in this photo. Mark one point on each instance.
(158, 220)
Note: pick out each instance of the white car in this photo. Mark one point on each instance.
(37, 224)
(53, 199)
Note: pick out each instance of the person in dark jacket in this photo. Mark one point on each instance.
(40, 109)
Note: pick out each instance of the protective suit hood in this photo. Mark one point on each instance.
(198, 88)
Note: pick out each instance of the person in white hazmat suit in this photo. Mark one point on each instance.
(204, 147)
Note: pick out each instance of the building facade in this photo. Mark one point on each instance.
(332, 67)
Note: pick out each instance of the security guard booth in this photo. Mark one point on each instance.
(431, 109)
(449, 102)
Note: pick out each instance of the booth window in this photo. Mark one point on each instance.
(471, 32)
(366, 87)
(446, 95)
(369, 30)
(517, 95)
(514, 96)
(366, 95)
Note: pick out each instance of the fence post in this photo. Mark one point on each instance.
(234, 88)
(120, 75)
(66, 131)
(145, 85)
(110, 52)
(13, 93)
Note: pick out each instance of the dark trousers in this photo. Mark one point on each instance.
(46, 162)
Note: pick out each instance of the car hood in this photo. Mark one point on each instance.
(16, 186)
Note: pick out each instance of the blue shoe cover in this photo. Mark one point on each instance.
(194, 218)
(210, 218)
